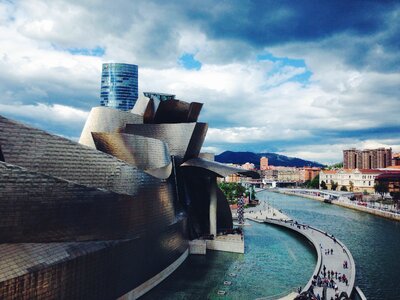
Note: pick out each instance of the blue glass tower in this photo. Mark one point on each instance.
(119, 85)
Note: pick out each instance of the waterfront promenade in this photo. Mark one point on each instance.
(326, 263)
(341, 201)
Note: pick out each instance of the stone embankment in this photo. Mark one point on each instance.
(346, 204)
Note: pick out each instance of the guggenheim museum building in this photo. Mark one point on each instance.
(112, 215)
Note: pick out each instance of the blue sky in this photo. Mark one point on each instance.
(301, 78)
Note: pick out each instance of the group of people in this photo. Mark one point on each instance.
(328, 251)
(345, 265)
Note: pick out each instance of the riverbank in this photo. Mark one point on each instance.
(343, 203)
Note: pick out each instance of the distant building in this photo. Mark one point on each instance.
(119, 86)
(309, 173)
(248, 166)
(367, 158)
(263, 163)
(354, 180)
(283, 174)
(396, 159)
(392, 179)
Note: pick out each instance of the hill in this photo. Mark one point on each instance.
(273, 159)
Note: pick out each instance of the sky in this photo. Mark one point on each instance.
(299, 78)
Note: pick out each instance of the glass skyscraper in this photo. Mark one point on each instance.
(119, 85)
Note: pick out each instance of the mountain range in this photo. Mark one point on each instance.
(273, 159)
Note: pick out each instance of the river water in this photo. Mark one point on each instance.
(277, 261)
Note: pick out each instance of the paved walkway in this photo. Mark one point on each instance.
(263, 211)
(334, 261)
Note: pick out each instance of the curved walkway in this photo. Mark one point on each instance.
(332, 262)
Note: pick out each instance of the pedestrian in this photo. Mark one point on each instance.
(331, 251)
(299, 289)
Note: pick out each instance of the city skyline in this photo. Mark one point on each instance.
(298, 79)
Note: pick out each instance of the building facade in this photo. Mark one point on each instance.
(108, 218)
(396, 159)
(391, 179)
(309, 173)
(354, 180)
(248, 166)
(367, 158)
(119, 86)
(263, 163)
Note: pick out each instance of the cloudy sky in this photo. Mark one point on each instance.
(301, 78)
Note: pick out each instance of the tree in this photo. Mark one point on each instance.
(323, 185)
(396, 198)
(381, 188)
(334, 185)
(232, 191)
(351, 186)
(314, 183)
(338, 165)
(343, 188)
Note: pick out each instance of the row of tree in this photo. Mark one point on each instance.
(381, 188)
(334, 186)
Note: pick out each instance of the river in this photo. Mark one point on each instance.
(277, 261)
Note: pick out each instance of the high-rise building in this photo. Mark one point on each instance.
(263, 163)
(119, 85)
(367, 158)
(396, 159)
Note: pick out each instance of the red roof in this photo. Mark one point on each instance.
(371, 171)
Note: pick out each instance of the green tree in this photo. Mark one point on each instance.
(335, 166)
(232, 191)
(351, 186)
(396, 198)
(381, 188)
(334, 185)
(343, 188)
(323, 185)
(314, 184)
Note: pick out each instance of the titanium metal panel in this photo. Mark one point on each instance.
(177, 111)
(196, 141)
(176, 136)
(142, 152)
(217, 168)
(59, 157)
(87, 270)
(39, 208)
(105, 119)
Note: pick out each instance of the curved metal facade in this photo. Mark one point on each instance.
(143, 152)
(78, 222)
(105, 119)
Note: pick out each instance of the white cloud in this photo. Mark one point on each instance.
(55, 114)
(246, 101)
